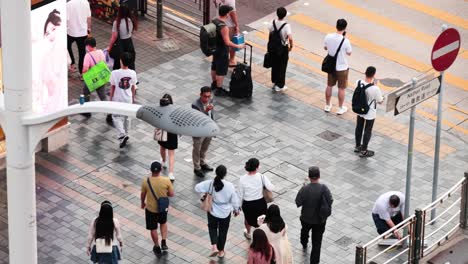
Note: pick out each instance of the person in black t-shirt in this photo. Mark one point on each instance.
(220, 64)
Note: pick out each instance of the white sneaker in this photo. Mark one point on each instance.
(247, 235)
(327, 108)
(342, 110)
(281, 89)
(164, 165)
(274, 87)
(171, 176)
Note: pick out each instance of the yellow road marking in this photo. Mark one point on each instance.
(445, 122)
(389, 23)
(380, 50)
(454, 108)
(297, 62)
(382, 86)
(180, 14)
(442, 15)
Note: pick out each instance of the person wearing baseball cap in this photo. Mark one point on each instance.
(154, 190)
(314, 213)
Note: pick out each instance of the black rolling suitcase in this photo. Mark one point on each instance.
(241, 79)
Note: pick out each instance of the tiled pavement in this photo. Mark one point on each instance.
(280, 129)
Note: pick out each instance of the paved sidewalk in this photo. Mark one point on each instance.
(288, 132)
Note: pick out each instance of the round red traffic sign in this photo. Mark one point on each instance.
(445, 49)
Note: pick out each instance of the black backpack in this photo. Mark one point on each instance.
(275, 41)
(325, 209)
(359, 101)
(208, 37)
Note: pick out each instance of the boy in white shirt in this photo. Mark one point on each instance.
(123, 86)
(366, 122)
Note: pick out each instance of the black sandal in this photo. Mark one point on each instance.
(366, 154)
(357, 149)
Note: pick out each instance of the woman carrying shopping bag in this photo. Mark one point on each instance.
(253, 187)
(104, 231)
(224, 200)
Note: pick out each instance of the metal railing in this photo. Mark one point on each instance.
(421, 235)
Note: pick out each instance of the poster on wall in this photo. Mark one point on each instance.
(49, 56)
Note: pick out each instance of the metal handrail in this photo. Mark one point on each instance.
(416, 224)
(399, 242)
(448, 194)
(446, 236)
(390, 231)
(445, 211)
(443, 225)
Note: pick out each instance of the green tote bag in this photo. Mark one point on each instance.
(96, 76)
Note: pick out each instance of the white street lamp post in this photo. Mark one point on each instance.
(24, 130)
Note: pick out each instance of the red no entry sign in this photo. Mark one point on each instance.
(445, 49)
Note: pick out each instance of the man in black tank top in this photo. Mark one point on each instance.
(220, 64)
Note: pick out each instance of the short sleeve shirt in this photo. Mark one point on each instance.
(161, 186)
(123, 32)
(123, 79)
(374, 96)
(285, 31)
(78, 12)
(231, 3)
(382, 205)
(332, 41)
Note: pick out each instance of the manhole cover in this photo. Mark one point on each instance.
(328, 135)
(391, 82)
(344, 241)
(167, 45)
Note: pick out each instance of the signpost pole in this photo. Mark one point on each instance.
(409, 164)
(435, 178)
(159, 19)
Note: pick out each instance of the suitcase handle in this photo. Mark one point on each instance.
(245, 53)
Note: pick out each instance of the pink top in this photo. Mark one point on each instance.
(258, 258)
(88, 62)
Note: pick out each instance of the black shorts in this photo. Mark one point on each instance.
(153, 219)
(220, 63)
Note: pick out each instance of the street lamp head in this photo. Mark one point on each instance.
(179, 120)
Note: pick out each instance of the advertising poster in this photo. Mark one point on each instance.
(49, 56)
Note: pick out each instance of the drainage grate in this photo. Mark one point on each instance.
(328, 135)
(167, 45)
(344, 241)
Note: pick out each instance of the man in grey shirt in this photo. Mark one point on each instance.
(310, 198)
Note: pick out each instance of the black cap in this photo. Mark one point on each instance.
(314, 172)
(224, 10)
(156, 166)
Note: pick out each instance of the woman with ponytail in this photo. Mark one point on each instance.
(251, 194)
(225, 201)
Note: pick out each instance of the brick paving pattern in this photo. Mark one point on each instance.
(288, 132)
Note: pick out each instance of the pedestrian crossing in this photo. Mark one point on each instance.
(399, 45)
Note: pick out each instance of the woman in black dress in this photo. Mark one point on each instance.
(171, 144)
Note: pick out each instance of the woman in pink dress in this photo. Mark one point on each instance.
(260, 252)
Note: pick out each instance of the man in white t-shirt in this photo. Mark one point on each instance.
(331, 44)
(280, 55)
(388, 211)
(123, 87)
(78, 27)
(232, 23)
(366, 122)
